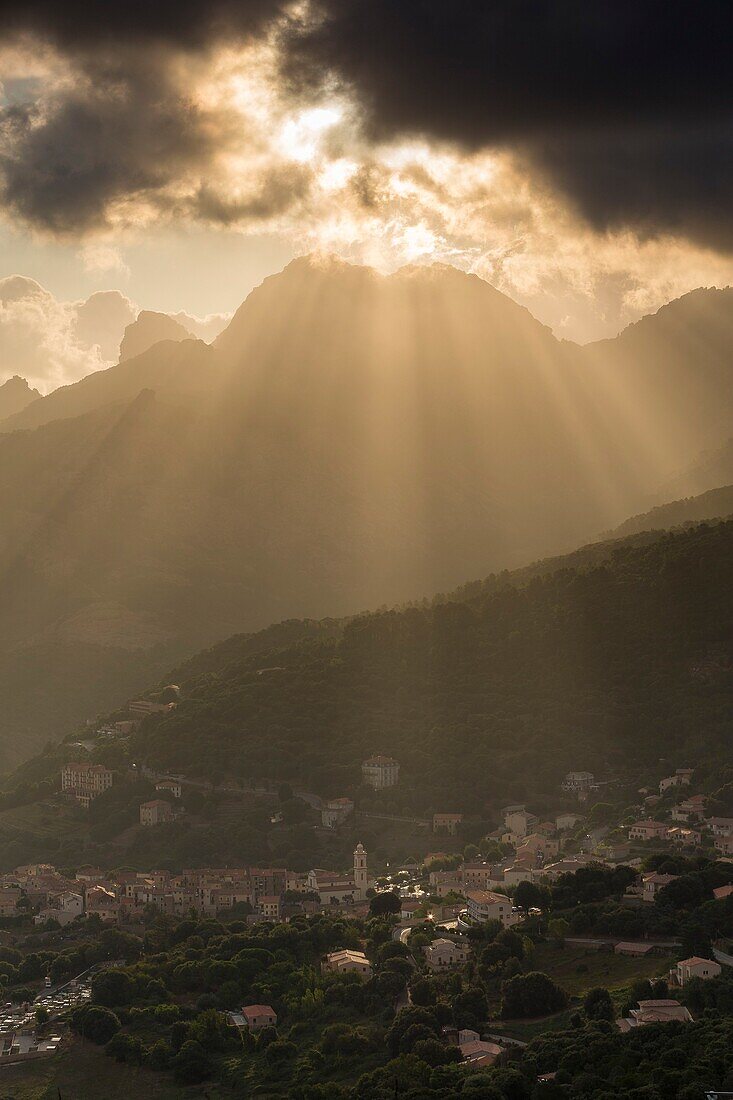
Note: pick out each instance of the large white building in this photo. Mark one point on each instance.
(578, 782)
(85, 781)
(485, 905)
(380, 772)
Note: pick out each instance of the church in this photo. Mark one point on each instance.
(334, 888)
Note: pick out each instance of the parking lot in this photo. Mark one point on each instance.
(63, 998)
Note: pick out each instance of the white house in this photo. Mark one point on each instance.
(695, 967)
(653, 883)
(518, 822)
(655, 1012)
(259, 1016)
(648, 830)
(444, 954)
(347, 962)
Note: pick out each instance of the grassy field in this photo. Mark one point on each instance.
(84, 1072)
(526, 1030)
(577, 969)
(46, 819)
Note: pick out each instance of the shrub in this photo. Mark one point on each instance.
(95, 1022)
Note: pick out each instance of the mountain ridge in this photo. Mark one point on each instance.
(350, 440)
(16, 395)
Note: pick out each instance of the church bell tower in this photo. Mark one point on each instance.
(360, 871)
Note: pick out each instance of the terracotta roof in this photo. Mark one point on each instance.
(486, 897)
(250, 1011)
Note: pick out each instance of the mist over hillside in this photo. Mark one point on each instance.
(614, 658)
(349, 440)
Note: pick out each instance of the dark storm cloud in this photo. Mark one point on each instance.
(125, 128)
(124, 131)
(79, 24)
(626, 104)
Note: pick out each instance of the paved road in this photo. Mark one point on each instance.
(392, 817)
(402, 932)
(721, 957)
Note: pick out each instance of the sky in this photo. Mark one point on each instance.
(578, 156)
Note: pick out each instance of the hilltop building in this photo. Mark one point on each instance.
(173, 786)
(336, 811)
(578, 783)
(85, 781)
(681, 778)
(141, 708)
(380, 772)
(155, 812)
(447, 823)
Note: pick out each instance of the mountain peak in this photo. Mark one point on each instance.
(148, 329)
(15, 395)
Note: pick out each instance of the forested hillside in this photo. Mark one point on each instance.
(350, 440)
(715, 504)
(607, 666)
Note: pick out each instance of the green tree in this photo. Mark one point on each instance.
(533, 994)
(385, 904)
(95, 1022)
(598, 1004)
(558, 929)
(191, 1064)
(528, 895)
(112, 988)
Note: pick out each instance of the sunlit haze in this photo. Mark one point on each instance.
(231, 168)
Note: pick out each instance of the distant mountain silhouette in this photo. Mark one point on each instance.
(673, 372)
(150, 328)
(16, 395)
(713, 467)
(713, 505)
(349, 440)
(174, 368)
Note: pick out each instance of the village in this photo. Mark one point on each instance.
(439, 905)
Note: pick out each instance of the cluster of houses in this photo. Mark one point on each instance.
(689, 825)
(668, 1010)
(536, 857)
(123, 896)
